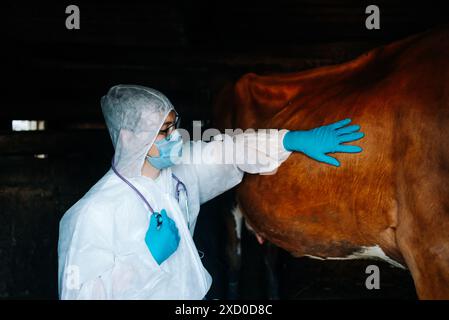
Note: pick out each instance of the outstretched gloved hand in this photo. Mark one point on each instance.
(315, 143)
(162, 237)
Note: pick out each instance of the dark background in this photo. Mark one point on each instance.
(187, 50)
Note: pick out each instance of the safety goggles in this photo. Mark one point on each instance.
(172, 127)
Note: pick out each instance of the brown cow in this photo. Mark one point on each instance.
(392, 197)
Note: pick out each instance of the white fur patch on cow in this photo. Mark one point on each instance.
(374, 252)
(238, 218)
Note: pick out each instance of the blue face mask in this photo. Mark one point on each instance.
(170, 150)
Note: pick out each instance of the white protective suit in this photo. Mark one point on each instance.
(102, 251)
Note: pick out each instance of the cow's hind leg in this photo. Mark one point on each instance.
(233, 251)
(423, 233)
(428, 261)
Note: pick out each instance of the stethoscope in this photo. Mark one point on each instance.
(180, 186)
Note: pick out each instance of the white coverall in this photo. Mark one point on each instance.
(102, 251)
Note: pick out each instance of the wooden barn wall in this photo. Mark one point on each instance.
(186, 49)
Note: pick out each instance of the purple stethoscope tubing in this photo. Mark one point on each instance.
(132, 187)
(179, 185)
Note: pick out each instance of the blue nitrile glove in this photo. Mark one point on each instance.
(315, 143)
(162, 238)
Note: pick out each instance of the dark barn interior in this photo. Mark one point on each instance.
(186, 49)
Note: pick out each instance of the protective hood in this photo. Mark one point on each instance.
(134, 115)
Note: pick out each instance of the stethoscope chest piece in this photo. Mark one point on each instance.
(158, 220)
